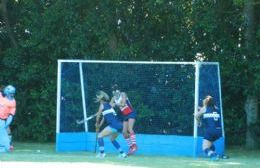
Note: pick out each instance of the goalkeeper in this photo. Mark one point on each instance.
(121, 100)
(114, 125)
(7, 111)
(211, 121)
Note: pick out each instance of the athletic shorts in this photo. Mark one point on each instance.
(118, 126)
(113, 129)
(212, 134)
(130, 115)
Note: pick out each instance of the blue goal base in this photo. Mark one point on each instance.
(169, 145)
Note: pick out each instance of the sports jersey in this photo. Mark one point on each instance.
(110, 116)
(211, 118)
(7, 107)
(127, 108)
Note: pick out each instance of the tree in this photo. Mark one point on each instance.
(251, 106)
(4, 11)
(40, 32)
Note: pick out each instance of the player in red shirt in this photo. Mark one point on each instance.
(7, 111)
(121, 100)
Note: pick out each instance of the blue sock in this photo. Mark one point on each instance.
(117, 146)
(101, 145)
(209, 152)
(213, 147)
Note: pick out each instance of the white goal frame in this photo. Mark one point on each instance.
(196, 83)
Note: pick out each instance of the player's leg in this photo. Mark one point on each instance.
(218, 134)
(8, 121)
(208, 149)
(105, 132)
(4, 139)
(10, 137)
(131, 122)
(126, 134)
(116, 144)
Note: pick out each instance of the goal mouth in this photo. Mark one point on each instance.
(165, 95)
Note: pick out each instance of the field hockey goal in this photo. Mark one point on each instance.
(164, 94)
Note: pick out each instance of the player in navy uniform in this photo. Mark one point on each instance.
(121, 100)
(211, 121)
(114, 125)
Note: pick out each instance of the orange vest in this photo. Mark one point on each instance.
(7, 107)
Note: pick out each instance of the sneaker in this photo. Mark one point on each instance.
(129, 150)
(132, 149)
(11, 148)
(214, 158)
(224, 157)
(122, 155)
(101, 155)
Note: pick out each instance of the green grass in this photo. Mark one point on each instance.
(32, 152)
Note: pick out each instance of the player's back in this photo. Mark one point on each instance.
(108, 113)
(211, 118)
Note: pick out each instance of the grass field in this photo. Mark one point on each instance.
(32, 155)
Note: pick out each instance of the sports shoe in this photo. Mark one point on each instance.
(132, 149)
(129, 151)
(101, 155)
(11, 148)
(214, 158)
(122, 155)
(224, 157)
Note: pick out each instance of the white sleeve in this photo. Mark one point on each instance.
(203, 110)
(118, 101)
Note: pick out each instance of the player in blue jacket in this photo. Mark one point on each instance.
(114, 125)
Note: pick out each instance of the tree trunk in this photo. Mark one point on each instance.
(251, 113)
(7, 23)
(251, 99)
(249, 25)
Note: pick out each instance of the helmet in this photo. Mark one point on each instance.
(8, 90)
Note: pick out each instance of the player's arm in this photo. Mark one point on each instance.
(99, 115)
(12, 111)
(112, 101)
(101, 122)
(123, 98)
(9, 121)
(200, 112)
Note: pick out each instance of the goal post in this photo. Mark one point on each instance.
(164, 94)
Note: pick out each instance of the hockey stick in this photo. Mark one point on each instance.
(85, 120)
(96, 140)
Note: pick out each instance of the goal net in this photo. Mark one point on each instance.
(164, 94)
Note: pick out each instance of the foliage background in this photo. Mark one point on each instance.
(158, 30)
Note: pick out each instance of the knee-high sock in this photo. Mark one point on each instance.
(128, 141)
(117, 146)
(133, 138)
(101, 145)
(213, 147)
(209, 152)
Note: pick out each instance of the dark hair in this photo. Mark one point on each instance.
(210, 102)
(115, 87)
